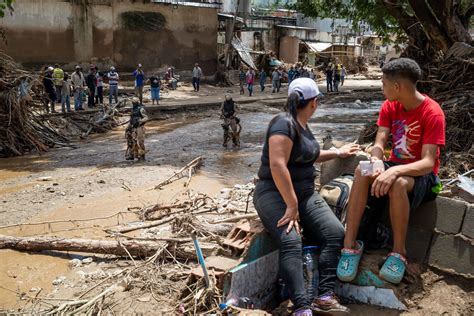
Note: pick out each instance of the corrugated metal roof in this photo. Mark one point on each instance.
(244, 52)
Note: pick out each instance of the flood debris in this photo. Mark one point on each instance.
(22, 98)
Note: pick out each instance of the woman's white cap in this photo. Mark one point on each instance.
(305, 87)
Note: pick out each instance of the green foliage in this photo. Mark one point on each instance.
(6, 5)
(357, 12)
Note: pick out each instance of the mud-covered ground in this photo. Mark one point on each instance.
(93, 181)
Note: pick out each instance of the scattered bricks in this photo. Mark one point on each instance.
(468, 225)
(452, 253)
(444, 214)
(418, 244)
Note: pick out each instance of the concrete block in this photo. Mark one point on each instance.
(418, 244)
(468, 224)
(444, 214)
(452, 252)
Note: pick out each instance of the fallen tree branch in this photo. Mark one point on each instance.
(40, 243)
(235, 219)
(190, 168)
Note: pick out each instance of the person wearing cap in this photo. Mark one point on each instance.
(139, 76)
(58, 77)
(285, 198)
(113, 77)
(91, 82)
(48, 83)
(197, 74)
(78, 83)
(135, 132)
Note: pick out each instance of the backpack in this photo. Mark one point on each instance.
(372, 231)
(136, 117)
(336, 194)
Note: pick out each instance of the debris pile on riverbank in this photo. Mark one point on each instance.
(22, 98)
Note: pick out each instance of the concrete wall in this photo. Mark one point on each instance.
(119, 32)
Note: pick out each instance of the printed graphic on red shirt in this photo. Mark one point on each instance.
(405, 137)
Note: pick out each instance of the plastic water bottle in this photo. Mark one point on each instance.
(310, 270)
(242, 302)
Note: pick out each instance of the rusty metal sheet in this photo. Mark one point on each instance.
(244, 52)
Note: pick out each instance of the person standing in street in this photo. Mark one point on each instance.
(78, 83)
(263, 79)
(135, 132)
(197, 74)
(155, 85)
(91, 82)
(66, 94)
(291, 74)
(113, 77)
(139, 76)
(99, 95)
(329, 78)
(48, 84)
(275, 81)
(242, 79)
(250, 80)
(343, 75)
(58, 76)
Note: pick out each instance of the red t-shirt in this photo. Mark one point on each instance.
(413, 129)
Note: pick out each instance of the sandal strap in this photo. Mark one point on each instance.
(399, 256)
(351, 251)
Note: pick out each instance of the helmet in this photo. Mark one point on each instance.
(135, 100)
(228, 97)
(50, 68)
(112, 68)
(139, 65)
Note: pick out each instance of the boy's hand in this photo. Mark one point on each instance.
(383, 182)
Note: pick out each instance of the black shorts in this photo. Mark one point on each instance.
(422, 190)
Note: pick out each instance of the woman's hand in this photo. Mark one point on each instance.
(291, 217)
(348, 150)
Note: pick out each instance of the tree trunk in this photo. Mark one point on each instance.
(134, 247)
(447, 15)
(431, 26)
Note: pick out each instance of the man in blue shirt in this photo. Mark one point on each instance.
(139, 76)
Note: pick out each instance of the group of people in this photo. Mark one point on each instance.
(277, 74)
(295, 215)
(60, 87)
(335, 75)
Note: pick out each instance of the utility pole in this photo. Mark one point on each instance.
(229, 35)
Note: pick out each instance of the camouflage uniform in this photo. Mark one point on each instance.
(135, 133)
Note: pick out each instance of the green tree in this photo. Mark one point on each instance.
(6, 5)
(429, 26)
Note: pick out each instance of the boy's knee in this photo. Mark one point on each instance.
(400, 186)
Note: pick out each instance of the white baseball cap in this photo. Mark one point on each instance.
(305, 87)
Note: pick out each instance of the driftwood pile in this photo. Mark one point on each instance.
(453, 87)
(24, 124)
(162, 233)
(22, 99)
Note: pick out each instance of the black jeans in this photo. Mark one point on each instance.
(99, 97)
(196, 82)
(320, 227)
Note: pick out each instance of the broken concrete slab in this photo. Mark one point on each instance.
(468, 224)
(444, 214)
(454, 253)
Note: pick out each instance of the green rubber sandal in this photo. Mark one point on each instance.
(349, 262)
(394, 268)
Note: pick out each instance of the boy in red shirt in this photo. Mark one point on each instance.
(410, 178)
